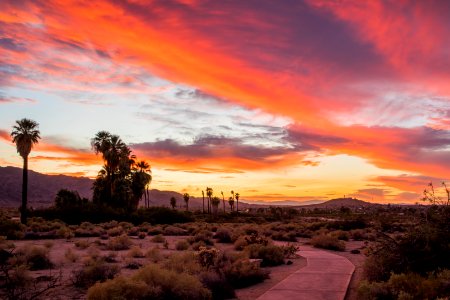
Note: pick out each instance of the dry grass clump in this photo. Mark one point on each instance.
(154, 255)
(118, 243)
(223, 236)
(87, 229)
(115, 231)
(36, 257)
(328, 242)
(340, 235)
(158, 239)
(94, 270)
(152, 282)
(183, 262)
(243, 273)
(182, 245)
(136, 252)
(174, 231)
(82, 244)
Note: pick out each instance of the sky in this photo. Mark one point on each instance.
(277, 100)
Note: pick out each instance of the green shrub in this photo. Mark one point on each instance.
(328, 242)
(271, 255)
(152, 282)
(243, 273)
(182, 245)
(122, 242)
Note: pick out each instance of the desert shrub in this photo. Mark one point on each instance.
(115, 231)
(153, 282)
(155, 230)
(122, 242)
(218, 285)
(358, 234)
(70, 255)
(196, 246)
(290, 251)
(142, 235)
(158, 239)
(223, 236)
(340, 235)
(253, 239)
(183, 262)
(271, 255)
(111, 257)
(284, 236)
(202, 236)
(134, 231)
(174, 231)
(82, 244)
(182, 245)
(408, 286)
(328, 242)
(65, 232)
(94, 270)
(347, 224)
(207, 257)
(132, 264)
(136, 252)
(36, 257)
(11, 229)
(243, 273)
(154, 255)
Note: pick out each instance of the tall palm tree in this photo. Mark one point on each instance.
(209, 193)
(223, 201)
(173, 202)
(25, 134)
(203, 194)
(186, 199)
(237, 201)
(231, 203)
(232, 195)
(144, 169)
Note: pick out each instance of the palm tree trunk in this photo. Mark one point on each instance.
(23, 213)
(203, 203)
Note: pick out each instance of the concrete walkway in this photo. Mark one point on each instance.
(325, 277)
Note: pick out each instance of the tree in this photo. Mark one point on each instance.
(173, 202)
(237, 201)
(215, 201)
(223, 201)
(232, 195)
(231, 203)
(25, 134)
(209, 193)
(121, 182)
(66, 199)
(186, 200)
(203, 195)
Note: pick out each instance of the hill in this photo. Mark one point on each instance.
(339, 202)
(42, 188)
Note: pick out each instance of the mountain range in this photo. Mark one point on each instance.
(42, 189)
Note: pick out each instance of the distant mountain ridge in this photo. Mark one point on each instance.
(42, 190)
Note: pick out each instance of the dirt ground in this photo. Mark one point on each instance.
(65, 268)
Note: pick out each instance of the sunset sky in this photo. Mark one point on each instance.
(275, 99)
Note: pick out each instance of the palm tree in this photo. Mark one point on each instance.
(231, 203)
(215, 201)
(144, 169)
(186, 199)
(223, 201)
(173, 202)
(237, 201)
(25, 134)
(232, 195)
(209, 193)
(203, 194)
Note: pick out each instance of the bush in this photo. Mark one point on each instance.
(252, 239)
(243, 273)
(158, 239)
(82, 244)
(36, 258)
(218, 285)
(271, 255)
(142, 235)
(223, 236)
(122, 242)
(182, 245)
(202, 236)
(136, 252)
(340, 235)
(11, 229)
(328, 242)
(186, 262)
(174, 231)
(71, 256)
(95, 270)
(152, 282)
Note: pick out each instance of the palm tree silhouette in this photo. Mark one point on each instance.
(25, 134)
(186, 199)
(223, 201)
(237, 201)
(173, 202)
(209, 193)
(232, 195)
(144, 179)
(203, 194)
(231, 203)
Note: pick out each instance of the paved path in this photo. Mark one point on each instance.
(325, 277)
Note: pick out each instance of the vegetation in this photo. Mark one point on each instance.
(25, 134)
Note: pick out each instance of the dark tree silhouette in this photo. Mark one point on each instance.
(186, 200)
(173, 202)
(237, 201)
(25, 134)
(203, 195)
(209, 193)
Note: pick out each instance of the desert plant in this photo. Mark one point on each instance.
(328, 242)
(271, 255)
(94, 270)
(182, 245)
(223, 236)
(158, 239)
(243, 273)
(70, 255)
(122, 242)
(136, 252)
